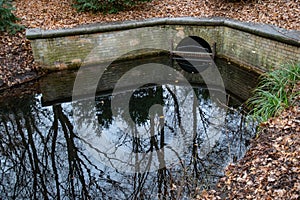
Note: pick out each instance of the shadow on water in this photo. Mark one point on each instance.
(43, 157)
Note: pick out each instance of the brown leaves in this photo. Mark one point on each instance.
(271, 167)
(60, 13)
(16, 60)
(16, 56)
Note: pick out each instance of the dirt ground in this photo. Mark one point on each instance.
(16, 59)
(270, 168)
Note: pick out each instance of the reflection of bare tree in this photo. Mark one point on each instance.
(43, 158)
(46, 164)
(75, 164)
(22, 165)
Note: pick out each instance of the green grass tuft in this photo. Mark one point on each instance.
(275, 92)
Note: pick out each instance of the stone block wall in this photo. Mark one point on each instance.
(211, 34)
(70, 51)
(260, 47)
(260, 52)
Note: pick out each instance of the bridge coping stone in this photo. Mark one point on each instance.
(291, 37)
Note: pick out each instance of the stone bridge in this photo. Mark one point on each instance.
(255, 46)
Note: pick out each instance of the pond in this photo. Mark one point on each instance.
(160, 141)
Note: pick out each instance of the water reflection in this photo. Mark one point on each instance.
(43, 157)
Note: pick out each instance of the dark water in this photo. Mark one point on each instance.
(52, 148)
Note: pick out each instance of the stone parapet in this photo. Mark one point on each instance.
(258, 46)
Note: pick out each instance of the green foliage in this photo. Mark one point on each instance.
(275, 92)
(7, 18)
(105, 6)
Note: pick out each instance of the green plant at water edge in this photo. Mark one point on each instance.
(276, 91)
(105, 6)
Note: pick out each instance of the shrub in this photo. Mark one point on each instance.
(275, 92)
(105, 6)
(7, 18)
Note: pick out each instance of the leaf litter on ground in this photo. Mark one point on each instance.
(270, 169)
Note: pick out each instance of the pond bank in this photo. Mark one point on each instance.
(17, 65)
(270, 169)
(44, 15)
(235, 184)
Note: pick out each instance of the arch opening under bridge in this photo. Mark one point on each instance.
(193, 54)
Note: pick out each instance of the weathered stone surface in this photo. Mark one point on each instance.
(256, 46)
(257, 51)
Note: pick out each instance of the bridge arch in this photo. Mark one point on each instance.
(193, 54)
(194, 44)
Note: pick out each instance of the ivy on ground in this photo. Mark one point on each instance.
(105, 6)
